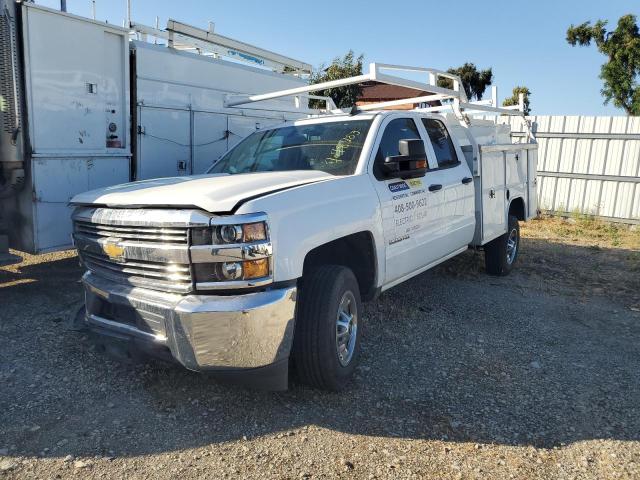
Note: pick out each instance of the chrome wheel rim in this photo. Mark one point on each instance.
(346, 328)
(512, 246)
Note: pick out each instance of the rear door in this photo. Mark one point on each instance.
(456, 191)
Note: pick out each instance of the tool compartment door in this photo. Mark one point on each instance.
(532, 182)
(492, 195)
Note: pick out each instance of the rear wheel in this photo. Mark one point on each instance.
(500, 255)
(326, 346)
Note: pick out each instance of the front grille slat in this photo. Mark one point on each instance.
(164, 268)
(138, 271)
(177, 236)
(136, 281)
(146, 238)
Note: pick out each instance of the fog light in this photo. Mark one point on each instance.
(217, 272)
(229, 270)
(256, 268)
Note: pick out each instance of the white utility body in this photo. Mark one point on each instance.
(271, 252)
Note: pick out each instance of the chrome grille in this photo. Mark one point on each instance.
(170, 277)
(140, 247)
(142, 234)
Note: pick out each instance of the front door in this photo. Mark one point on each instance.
(410, 212)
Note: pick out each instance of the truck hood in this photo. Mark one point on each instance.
(213, 193)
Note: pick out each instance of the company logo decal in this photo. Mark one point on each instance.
(398, 186)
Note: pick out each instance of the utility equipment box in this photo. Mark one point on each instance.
(183, 125)
(107, 105)
(76, 75)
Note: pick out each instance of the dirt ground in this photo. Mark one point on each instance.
(463, 375)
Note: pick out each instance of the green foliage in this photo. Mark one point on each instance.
(621, 72)
(347, 66)
(514, 99)
(474, 81)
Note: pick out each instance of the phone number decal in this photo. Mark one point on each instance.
(410, 205)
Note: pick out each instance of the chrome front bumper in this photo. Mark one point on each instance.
(202, 332)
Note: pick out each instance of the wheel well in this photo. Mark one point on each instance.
(517, 208)
(357, 252)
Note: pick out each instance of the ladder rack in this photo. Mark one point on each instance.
(377, 74)
(181, 36)
(459, 104)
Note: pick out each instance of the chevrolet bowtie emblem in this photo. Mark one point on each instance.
(113, 250)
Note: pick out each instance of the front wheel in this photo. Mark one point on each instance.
(500, 255)
(326, 346)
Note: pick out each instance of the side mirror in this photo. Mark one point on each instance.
(411, 163)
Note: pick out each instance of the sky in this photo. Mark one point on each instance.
(523, 42)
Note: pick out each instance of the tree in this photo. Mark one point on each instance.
(474, 81)
(515, 98)
(622, 46)
(347, 66)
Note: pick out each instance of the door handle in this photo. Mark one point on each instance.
(435, 187)
(466, 180)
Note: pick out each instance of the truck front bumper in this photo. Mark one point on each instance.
(246, 337)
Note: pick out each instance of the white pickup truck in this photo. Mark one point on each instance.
(263, 262)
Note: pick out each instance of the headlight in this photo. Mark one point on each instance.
(229, 234)
(231, 253)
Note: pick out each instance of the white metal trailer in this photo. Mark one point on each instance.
(105, 105)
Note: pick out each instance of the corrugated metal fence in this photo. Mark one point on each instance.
(588, 165)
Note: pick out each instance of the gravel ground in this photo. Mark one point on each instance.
(536, 375)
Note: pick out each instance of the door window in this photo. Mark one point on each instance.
(398, 129)
(441, 142)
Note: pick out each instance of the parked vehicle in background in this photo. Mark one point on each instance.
(122, 104)
(266, 260)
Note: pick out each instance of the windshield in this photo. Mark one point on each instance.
(329, 147)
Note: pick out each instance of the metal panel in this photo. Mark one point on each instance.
(181, 110)
(76, 74)
(588, 165)
(210, 139)
(76, 78)
(55, 181)
(164, 145)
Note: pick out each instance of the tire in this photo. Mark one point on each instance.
(315, 346)
(499, 256)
